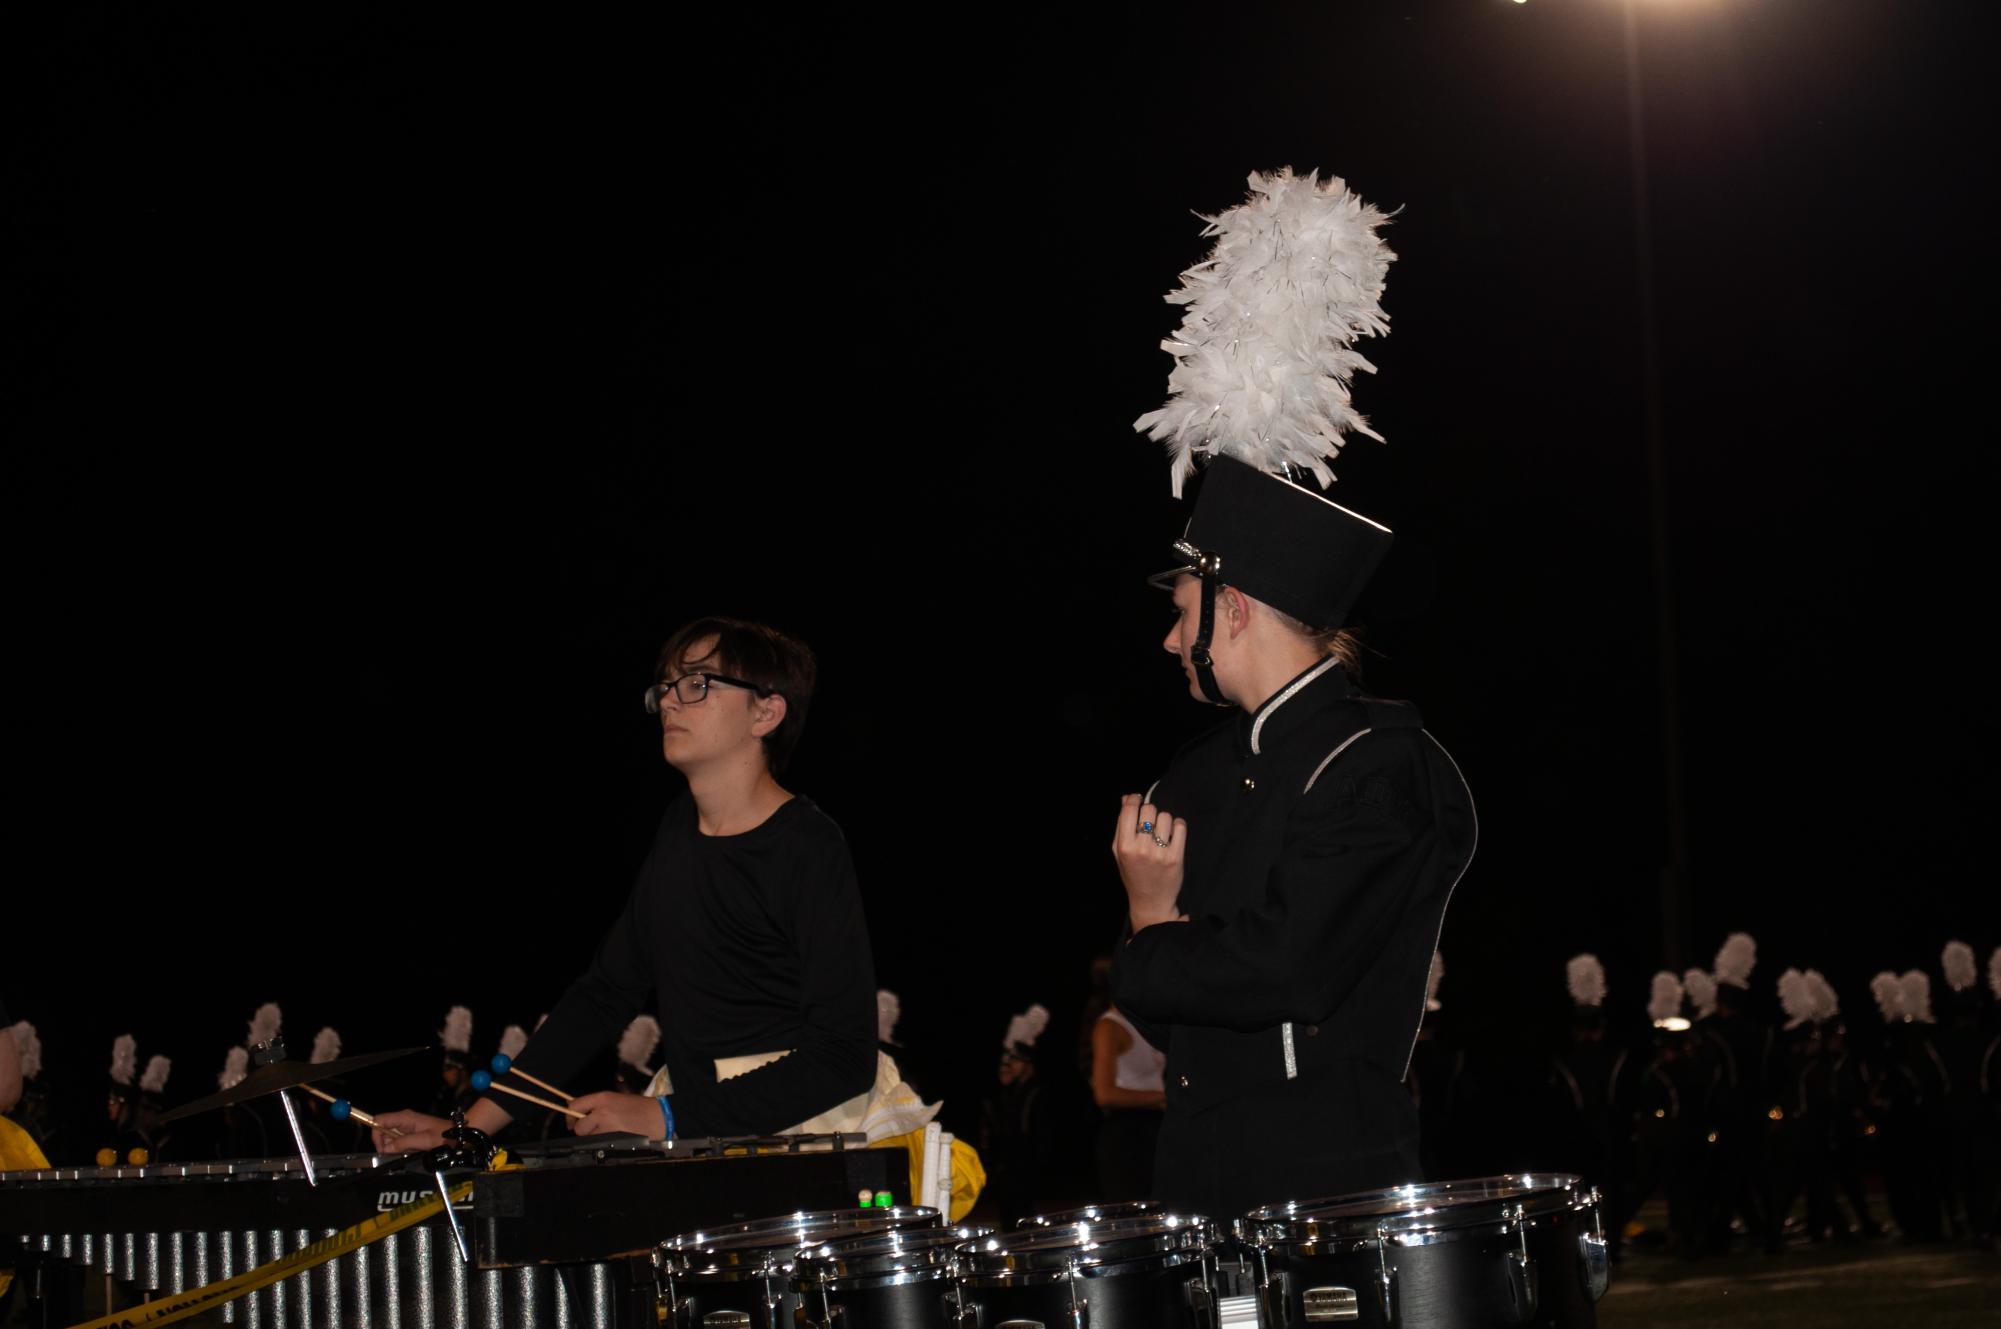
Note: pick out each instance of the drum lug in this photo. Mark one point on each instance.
(1522, 1277)
(1594, 1268)
(1386, 1275)
(960, 1313)
(1201, 1304)
(1271, 1295)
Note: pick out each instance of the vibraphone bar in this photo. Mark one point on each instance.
(564, 1240)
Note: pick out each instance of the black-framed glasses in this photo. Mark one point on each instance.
(691, 688)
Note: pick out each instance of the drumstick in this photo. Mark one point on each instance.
(502, 1064)
(479, 1076)
(342, 1110)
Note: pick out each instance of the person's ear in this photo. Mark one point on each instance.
(1236, 612)
(770, 714)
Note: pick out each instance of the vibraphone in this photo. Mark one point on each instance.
(564, 1240)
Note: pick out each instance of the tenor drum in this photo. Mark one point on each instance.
(740, 1276)
(1494, 1251)
(899, 1279)
(1151, 1271)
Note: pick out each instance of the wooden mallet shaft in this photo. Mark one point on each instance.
(352, 1110)
(538, 1102)
(541, 1084)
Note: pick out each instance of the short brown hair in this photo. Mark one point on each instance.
(764, 656)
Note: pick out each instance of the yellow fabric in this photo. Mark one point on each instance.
(18, 1153)
(969, 1176)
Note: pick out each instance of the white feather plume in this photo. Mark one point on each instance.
(1664, 998)
(1701, 992)
(1795, 998)
(637, 1044)
(1889, 995)
(28, 1044)
(1265, 353)
(326, 1046)
(264, 1025)
(888, 1010)
(155, 1079)
(1024, 1029)
(1735, 960)
(1432, 980)
(1585, 977)
(124, 1059)
(457, 1033)
(1826, 1005)
(1961, 970)
(512, 1040)
(1917, 986)
(234, 1067)
(1994, 973)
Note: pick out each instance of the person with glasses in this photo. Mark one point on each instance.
(744, 933)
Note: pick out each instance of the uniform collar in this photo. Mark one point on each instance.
(1283, 711)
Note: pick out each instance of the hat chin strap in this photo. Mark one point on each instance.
(1210, 569)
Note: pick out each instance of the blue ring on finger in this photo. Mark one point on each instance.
(1146, 828)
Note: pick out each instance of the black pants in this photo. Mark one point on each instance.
(1242, 1155)
(1127, 1140)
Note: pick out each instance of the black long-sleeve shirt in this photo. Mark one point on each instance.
(746, 944)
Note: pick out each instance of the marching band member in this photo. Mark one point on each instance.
(744, 930)
(1287, 878)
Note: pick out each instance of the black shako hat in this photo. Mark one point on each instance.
(1279, 542)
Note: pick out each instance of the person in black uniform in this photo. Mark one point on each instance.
(1287, 877)
(744, 930)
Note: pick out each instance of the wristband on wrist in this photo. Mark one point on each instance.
(667, 1115)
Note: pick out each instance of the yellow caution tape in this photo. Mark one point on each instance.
(181, 1305)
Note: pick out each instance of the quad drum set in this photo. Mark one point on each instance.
(1523, 1250)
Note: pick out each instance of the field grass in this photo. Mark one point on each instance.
(1881, 1284)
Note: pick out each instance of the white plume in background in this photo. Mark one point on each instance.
(1265, 353)
(1701, 992)
(1586, 979)
(1024, 1029)
(28, 1044)
(1664, 999)
(637, 1044)
(1432, 980)
(1889, 995)
(124, 1059)
(264, 1025)
(234, 1067)
(457, 1033)
(1795, 998)
(1961, 970)
(512, 1040)
(888, 1010)
(1735, 960)
(155, 1079)
(1917, 986)
(326, 1045)
(1993, 973)
(1825, 1004)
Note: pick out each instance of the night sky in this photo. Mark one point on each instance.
(383, 389)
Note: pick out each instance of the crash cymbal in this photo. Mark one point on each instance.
(284, 1075)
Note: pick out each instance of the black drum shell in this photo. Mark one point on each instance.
(1139, 1294)
(769, 1301)
(901, 1279)
(1455, 1279)
(921, 1299)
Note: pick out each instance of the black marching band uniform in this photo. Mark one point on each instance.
(1327, 831)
